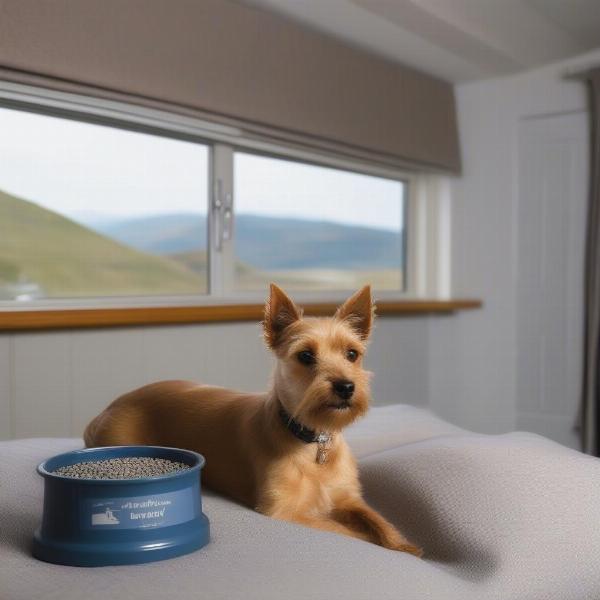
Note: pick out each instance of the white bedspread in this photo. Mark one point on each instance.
(508, 517)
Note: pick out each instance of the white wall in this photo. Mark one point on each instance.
(52, 384)
(518, 232)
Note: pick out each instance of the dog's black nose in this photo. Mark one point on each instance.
(343, 389)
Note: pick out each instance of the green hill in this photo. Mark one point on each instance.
(65, 259)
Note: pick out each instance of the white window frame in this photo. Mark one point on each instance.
(427, 203)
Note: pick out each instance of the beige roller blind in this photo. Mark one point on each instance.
(236, 64)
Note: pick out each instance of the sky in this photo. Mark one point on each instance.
(285, 188)
(90, 172)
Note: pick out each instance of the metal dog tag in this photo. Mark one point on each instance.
(321, 455)
(323, 446)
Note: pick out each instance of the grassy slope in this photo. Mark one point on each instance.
(67, 259)
(248, 278)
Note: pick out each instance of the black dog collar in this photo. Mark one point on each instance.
(303, 433)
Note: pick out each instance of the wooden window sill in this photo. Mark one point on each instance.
(19, 320)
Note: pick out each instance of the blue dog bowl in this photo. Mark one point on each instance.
(97, 522)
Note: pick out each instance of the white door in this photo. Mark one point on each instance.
(553, 187)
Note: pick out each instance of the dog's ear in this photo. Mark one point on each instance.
(280, 312)
(358, 311)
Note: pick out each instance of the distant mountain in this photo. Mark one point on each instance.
(161, 234)
(267, 242)
(42, 250)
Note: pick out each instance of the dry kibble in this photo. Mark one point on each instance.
(128, 467)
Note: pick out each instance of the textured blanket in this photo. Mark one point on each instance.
(507, 517)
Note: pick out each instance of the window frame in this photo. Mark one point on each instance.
(426, 202)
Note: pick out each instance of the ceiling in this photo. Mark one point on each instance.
(457, 40)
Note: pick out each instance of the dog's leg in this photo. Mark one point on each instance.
(321, 523)
(362, 519)
(276, 510)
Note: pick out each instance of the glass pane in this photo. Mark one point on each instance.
(315, 228)
(89, 210)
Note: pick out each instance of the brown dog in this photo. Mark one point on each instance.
(282, 452)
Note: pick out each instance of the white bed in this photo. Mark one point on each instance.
(509, 517)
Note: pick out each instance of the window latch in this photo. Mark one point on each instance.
(223, 215)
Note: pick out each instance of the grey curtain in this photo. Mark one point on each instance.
(232, 63)
(591, 378)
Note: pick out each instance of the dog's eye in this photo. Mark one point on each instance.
(306, 357)
(352, 355)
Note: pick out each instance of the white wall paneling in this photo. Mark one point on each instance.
(61, 380)
(398, 358)
(232, 355)
(471, 361)
(42, 395)
(469, 374)
(103, 365)
(6, 414)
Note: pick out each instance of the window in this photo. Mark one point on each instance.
(103, 202)
(92, 211)
(316, 228)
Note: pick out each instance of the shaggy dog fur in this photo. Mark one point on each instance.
(251, 456)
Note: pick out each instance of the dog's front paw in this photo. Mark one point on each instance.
(405, 546)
